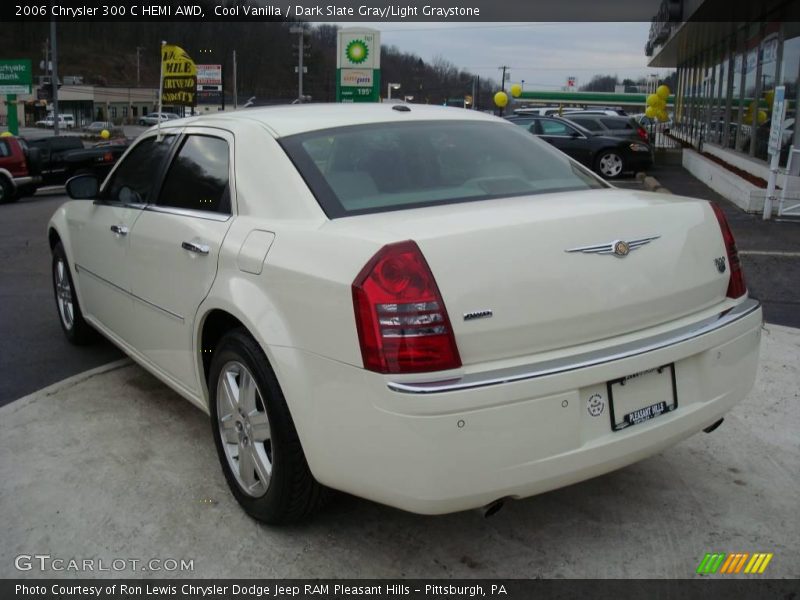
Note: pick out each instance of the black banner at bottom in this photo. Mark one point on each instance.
(395, 589)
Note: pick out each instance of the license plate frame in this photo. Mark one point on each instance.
(645, 412)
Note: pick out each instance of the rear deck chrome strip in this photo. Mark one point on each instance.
(579, 361)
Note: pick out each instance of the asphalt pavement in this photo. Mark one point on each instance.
(33, 350)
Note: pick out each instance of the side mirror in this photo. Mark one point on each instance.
(83, 187)
(575, 135)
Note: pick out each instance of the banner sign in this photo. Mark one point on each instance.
(180, 77)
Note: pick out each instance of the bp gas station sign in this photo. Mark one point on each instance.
(358, 65)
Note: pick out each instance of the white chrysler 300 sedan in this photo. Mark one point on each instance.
(427, 307)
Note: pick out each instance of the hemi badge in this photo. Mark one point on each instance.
(477, 314)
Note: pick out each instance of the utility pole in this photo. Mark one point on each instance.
(300, 31)
(503, 84)
(235, 88)
(138, 78)
(54, 75)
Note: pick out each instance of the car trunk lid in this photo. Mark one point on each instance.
(524, 275)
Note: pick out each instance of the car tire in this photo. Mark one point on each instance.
(275, 484)
(7, 192)
(75, 328)
(609, 164)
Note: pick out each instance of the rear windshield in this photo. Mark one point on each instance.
(391, 166)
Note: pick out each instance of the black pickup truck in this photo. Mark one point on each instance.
(65, 156)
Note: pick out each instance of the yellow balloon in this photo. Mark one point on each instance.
(663, 92)
(653, 99)
(761, 118)
(105, 134)
(516, 90)
(662, 115)
(660, 104)
(650, 112)
(6, 134)
(501, 99)
(770, 98)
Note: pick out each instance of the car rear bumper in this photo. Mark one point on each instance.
(454, 449)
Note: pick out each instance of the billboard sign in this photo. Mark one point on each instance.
(358, 65)
(15, 76)
(209, 75)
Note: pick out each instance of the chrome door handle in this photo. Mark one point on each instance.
(119, 229)
(197, 248)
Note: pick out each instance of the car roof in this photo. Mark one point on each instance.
(291, 119)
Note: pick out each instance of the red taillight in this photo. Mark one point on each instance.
(401, 319)
(736, 285)
(642, 133)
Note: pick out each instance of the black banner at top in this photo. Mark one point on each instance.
(12, 11)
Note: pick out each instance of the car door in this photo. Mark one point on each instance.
(567, 139)
(175, 247)
(100, 234)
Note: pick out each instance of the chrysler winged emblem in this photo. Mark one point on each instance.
(618, 248)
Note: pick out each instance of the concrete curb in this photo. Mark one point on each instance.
(651, 184)
(64, 384)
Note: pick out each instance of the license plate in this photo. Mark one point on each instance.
(642, 396)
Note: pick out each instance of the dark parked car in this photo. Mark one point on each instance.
(607, 155)
(608, 125)
(19, 169)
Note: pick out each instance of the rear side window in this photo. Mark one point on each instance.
(198, 176)
(555, 128)
(590, 124)
(4, 149)
(134, 179)
(617, 123)
(391, 166)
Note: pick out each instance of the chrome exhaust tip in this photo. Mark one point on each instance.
(713, 426)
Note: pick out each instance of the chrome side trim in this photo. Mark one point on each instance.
(184, 212)
(82, 269)
(579, 361)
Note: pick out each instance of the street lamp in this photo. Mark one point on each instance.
(389, 88)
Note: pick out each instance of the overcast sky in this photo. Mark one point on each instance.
(542, 54)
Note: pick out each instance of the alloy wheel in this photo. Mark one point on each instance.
(244, 429)
(66, 308)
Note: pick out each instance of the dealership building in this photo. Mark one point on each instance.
(727, 75)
